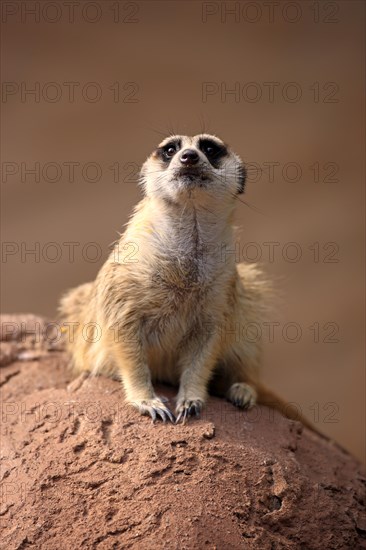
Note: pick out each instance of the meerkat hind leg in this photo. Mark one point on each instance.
(242, 395)
(225, 384)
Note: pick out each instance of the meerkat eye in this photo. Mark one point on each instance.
(210, 150)
(213, 151)
(170, 149)
(166, 152)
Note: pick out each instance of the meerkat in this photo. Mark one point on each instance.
(170, 302)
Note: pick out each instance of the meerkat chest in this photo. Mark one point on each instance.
(184, 275)
(181, 276)
(183, 303)
(189, 264)
(180, 311)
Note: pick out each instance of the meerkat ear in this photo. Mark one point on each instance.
(241, 177)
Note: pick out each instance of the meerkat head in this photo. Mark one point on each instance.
(196, 167)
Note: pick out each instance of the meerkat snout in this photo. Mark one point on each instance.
(189, 157)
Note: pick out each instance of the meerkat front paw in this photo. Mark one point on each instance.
(155, 407)
(188, 407)
(242, 395)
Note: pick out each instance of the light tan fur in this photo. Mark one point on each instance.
(170, 304)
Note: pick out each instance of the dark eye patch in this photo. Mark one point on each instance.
(167, 151)
(212, 150)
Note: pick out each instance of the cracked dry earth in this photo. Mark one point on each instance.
(79, 469)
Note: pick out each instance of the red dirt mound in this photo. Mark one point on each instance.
(80, 469)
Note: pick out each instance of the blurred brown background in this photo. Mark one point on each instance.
(110, 79)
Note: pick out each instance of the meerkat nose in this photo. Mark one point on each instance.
(189, 157)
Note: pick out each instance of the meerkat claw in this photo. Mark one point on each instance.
(194, 410)
(187, 409)
(166, 414)
(182, 416)
(155, 408)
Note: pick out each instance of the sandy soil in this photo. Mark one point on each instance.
(79, 468)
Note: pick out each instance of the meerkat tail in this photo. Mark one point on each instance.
(73, 303)
(271, 399)
(73, 314)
